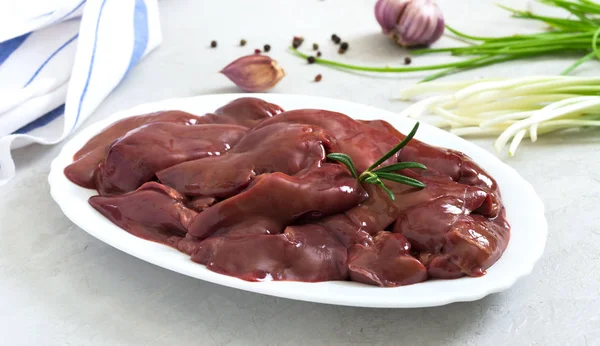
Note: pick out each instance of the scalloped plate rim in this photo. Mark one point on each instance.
(430, 293)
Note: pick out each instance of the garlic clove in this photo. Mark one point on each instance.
(410, 22)
(388, 12)
(254, 73)
(422, 23)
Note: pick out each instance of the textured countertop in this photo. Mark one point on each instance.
(60, 286)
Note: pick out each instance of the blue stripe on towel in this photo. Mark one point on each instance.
(41, 121)
(89, 76)
(8, 47)
(70, 12)
(140, 33)
(43, 15)
(50, 58)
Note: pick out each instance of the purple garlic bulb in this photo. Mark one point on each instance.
(410, 22)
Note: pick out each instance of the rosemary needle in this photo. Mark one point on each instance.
(371, 176)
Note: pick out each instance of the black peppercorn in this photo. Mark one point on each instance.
(319, 54)
(344, 45)
(311, 59)
(297, 41)
(213, 44)
(407, 60)
(242, 42)
(315, 46)
(318, 78)
(335, 38)
(267, 47)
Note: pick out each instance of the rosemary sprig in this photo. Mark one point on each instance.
(374, 176)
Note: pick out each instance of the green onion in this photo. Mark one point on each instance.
(577, 35)
(511, 109)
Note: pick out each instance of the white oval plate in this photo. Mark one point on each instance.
(525, 212)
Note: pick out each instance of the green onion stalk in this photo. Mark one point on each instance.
(511, 109)
(577, 35)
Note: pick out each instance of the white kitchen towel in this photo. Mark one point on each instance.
(53, 78)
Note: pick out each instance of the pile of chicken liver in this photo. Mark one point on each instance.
(248, 192)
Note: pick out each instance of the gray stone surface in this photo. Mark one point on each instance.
(60, 286)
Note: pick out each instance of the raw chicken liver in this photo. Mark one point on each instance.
(87, 159)
(248, 191)
(245, 111)
(154, 211)
(136, 157)
(285, 148)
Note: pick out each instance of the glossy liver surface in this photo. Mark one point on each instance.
(249, 192)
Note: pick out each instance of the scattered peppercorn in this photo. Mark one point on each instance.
(319, 54)
(318, 78)
(242, 42)
(335, 38)
(407, 60)
(315, 46)
(297, 41)
(344, 45)
(311, 59)
(213, 44)
(257, 51)
(267, 47)
(341, 51)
